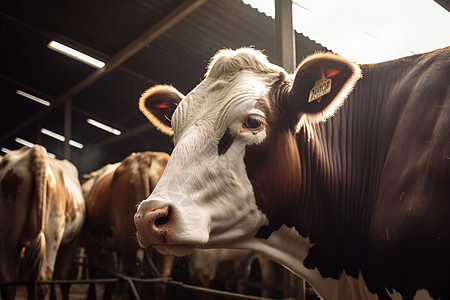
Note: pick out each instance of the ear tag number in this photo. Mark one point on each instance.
(321, 88)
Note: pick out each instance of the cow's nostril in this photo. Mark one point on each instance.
(163, 220)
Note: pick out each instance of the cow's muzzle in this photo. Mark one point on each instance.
(153, 225)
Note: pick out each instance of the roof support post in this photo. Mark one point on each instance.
(284, 35)
(67, 127)
(285, 55)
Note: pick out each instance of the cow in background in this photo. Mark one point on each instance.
(112, 194)
(229, 266)
(234, 266)
(42, 213)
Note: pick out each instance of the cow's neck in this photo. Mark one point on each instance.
(342, 160)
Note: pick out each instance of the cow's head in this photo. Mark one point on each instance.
(236, 165)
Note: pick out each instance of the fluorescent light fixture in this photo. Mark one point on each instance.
(28, 144)
(24, 142)
(61, 138)
(104, 127)
(75, 54)
(369, 31)
(34, 98)
(5, 150)
(76, 144)
(53, 134)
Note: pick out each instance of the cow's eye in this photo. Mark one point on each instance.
(253, 122)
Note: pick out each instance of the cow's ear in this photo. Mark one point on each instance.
(322, 82)
(158, 104)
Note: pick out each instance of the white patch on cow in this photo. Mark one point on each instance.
(134, 168)
(51, 177)
(75, 216)
(95, 176)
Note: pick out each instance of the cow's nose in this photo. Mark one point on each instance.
(153, 225)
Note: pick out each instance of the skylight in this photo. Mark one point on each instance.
(369, 31)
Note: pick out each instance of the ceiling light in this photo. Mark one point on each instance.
(104, 127)
(24, 142)
(61, 138)
(76, 144)
(5, 150)
(34, 98)
(75, 54)
(28, 144)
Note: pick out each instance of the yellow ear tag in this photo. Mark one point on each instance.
(321, 88)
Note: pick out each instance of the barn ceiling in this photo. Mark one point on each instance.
(143, 42)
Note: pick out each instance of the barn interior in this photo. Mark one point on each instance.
(141, 42)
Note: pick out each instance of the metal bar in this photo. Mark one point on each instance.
(167, 281)
(52, 282)
(284, 35)
(214, 292)
(155, 31)
(133, 288)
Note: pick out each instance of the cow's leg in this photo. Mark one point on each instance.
(64, 267)
(91, 253)
(54, 230)
(131, 268)
(7, 274)
(165, 269)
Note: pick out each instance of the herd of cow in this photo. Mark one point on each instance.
(339, 172)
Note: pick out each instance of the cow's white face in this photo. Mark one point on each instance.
(205, 187)
(210, 194)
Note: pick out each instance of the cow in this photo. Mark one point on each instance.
(42, 213)
(233, 266)
(112, 194)
(340, 172)
(224, 265)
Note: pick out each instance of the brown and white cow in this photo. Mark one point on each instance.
(224, 265)
(41, 214)
(348, 189)
(233, 266)
(112, 194)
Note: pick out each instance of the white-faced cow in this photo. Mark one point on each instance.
(112, 194)
(41, 214)
(348, 189)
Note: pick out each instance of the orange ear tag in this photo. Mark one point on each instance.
(321, 87)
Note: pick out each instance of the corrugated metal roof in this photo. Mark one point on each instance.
(102, 29)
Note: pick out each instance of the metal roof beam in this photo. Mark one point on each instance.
(155, 31)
